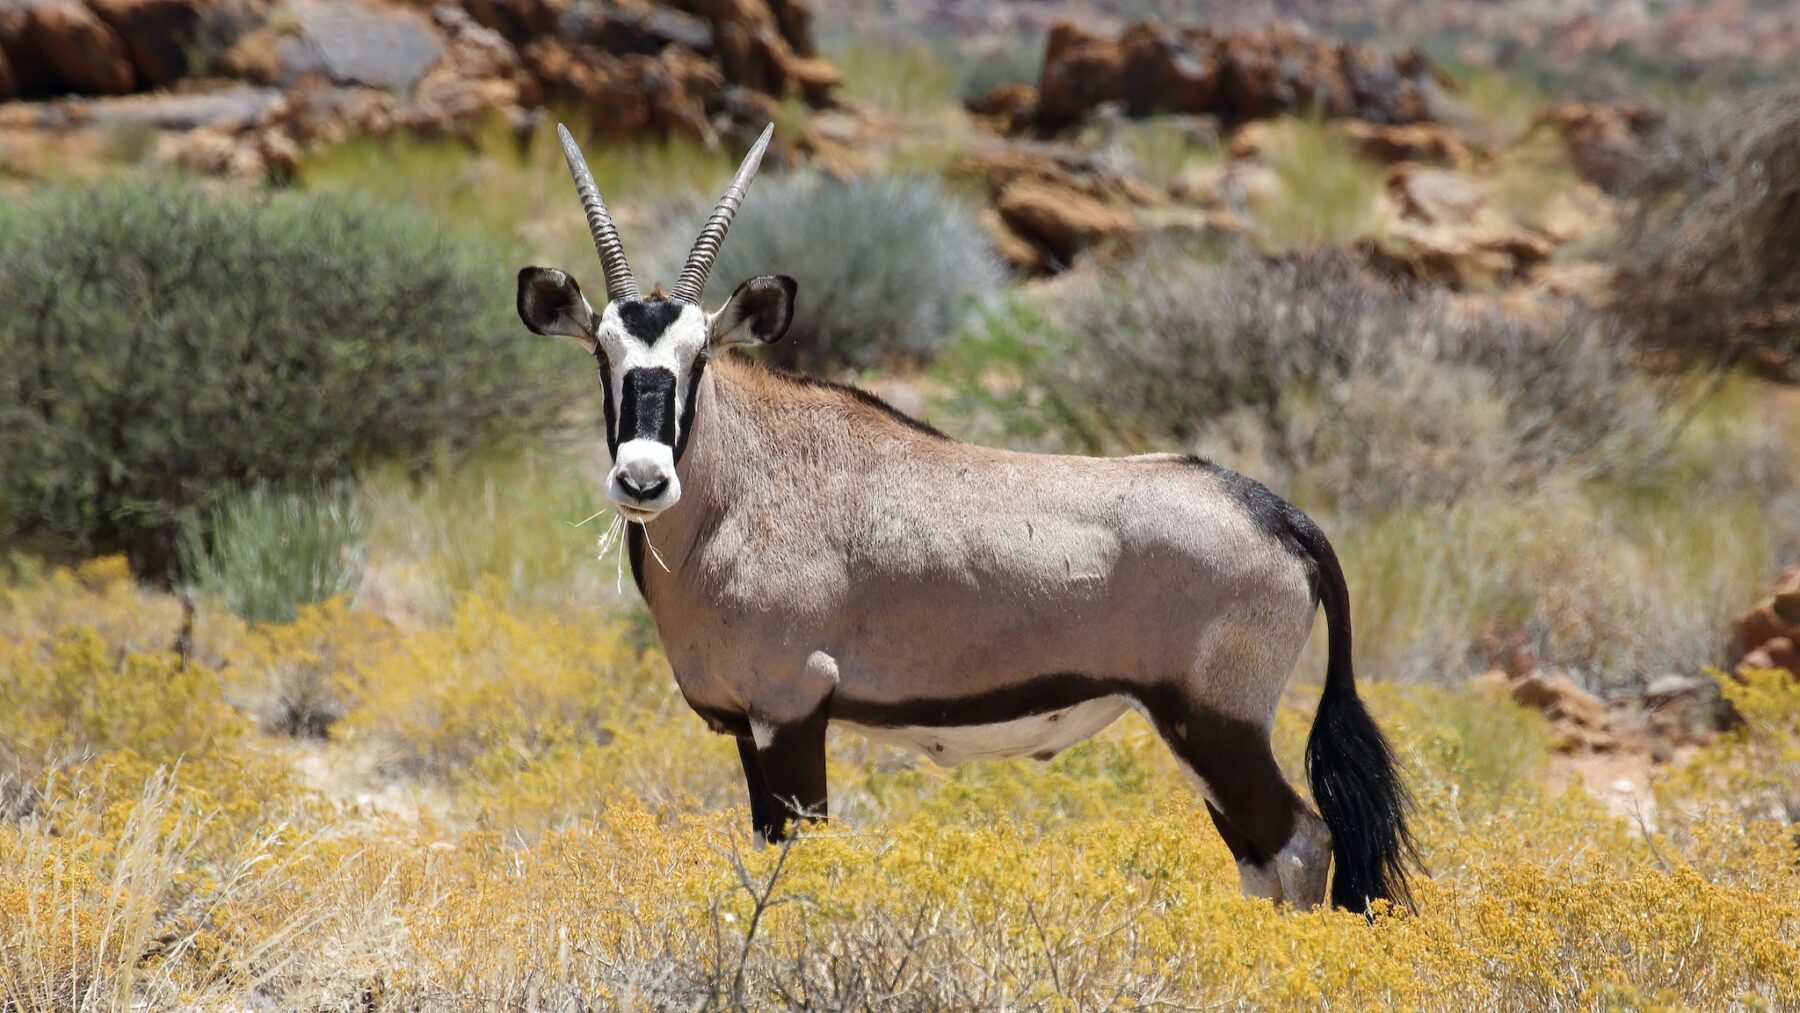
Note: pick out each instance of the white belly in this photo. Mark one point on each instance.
(1041, 735)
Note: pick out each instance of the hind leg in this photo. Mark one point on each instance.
(1258, 877)
(1282, 848)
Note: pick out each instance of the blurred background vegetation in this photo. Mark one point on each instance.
(296, 513)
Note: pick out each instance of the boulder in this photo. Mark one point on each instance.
(1775, 652)
(672, 92)
(1768, 633)
(211, 151)
(1051, 203)
(1580, 719)
(1064, 221)
(519, 21)
(1454, 257)
(1575, 212)
(1429, 143)
(85, 55)
(232, 107)
(1235, 75)
(630, 28)
(319, 112)
(1006, 108)
(478, 74)
(1435, 196)
(158, 34)
(30, 73)
(9, 86)
(1018, 252)
(351, 43)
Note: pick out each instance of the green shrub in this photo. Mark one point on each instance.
(161, 345)
(274, 551)
(1705, 266)
(885, 266)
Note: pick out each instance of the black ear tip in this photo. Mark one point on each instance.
(788, 285)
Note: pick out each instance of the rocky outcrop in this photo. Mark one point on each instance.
(1579, 720)
(1236, 76)
(1428, 143)
(1048, 204)
(159, 35)
(479, 73)
(1768, 636)
(691, 68)
(79, 49)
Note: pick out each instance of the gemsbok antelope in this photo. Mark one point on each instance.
(825, 559)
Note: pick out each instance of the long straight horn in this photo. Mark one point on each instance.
(619, 282)
(699, 263)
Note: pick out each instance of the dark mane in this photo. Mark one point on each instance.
(847, 391)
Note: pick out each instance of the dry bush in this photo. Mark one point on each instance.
(1367, 395)
(1706, 264)
(1093, 881)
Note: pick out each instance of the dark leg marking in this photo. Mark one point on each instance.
(1242, 850)
(793, 768)
(1233, 758)
(762, 804)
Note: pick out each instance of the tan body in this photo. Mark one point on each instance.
(827, 553)
(831, 561)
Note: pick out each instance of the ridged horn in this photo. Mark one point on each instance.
(619, 282)
(700, 261)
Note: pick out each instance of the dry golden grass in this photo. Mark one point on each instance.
(593, 851)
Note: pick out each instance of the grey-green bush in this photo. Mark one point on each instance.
(162, 345)
(273, 551)
(885, 266)
(1368, 395)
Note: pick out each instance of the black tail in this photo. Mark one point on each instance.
(1355, 780)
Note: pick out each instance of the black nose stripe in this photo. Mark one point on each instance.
(647, 407)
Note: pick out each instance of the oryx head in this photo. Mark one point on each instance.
(652, 349)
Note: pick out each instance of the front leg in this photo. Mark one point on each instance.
(762, 804)
(789, 761)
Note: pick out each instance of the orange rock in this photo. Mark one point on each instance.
(1016, 250)
(1065, 221)
(1776, 652)
(1007, 108)
(80, 49)
(255, 56)
(1435, 196)
(158, 34)
(1408, 142)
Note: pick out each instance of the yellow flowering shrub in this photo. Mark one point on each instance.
(592, 849)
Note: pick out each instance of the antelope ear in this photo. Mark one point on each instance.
(758, 312)
(551, 303)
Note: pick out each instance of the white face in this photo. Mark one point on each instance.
(652, 353)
